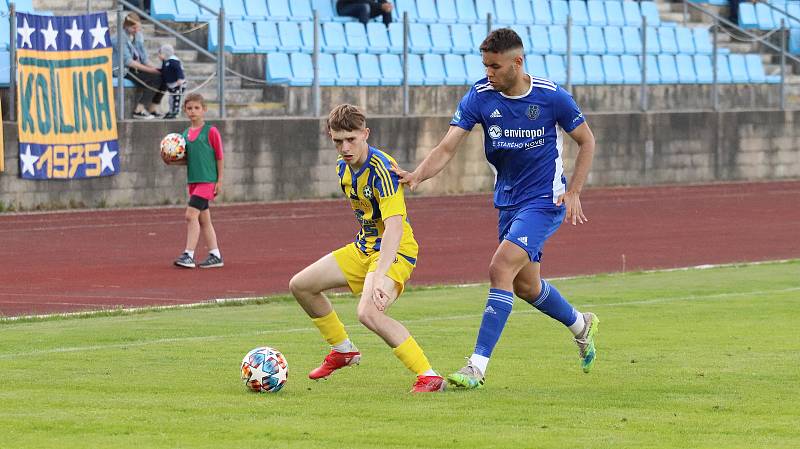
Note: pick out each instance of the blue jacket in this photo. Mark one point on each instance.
(129, 49)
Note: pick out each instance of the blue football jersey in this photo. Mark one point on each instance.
(521, 138)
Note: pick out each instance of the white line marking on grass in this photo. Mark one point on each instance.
(364, 330)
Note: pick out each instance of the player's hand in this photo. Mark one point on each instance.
(380, 298)
(408, 178)
(217, 188)
(572, 201)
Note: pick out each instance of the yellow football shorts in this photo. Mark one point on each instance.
(355, 265)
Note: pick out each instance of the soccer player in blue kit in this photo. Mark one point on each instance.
(521, 115)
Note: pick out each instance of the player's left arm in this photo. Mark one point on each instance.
(215, 139)
(582, 135)
(390, 242)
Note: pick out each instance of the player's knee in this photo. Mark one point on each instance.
(499, 272)
(525, 290)
(297, 286)
(367, 316)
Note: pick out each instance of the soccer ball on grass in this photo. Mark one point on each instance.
(264, 370)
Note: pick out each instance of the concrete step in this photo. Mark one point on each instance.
(231, 82)
(256, 109)
(232, 96)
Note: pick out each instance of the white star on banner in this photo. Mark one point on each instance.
(50, 36)
(28, 161)
(98, 34)
(107, 159)
(75, 35)
(25, 31)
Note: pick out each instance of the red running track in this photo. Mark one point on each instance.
(71, 261)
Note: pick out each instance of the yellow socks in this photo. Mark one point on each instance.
(331, 328)
(412, 356)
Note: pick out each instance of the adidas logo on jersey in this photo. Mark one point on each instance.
(496, 114)
(524, 240)
(490, 309)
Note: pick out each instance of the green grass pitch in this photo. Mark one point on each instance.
(686, 359)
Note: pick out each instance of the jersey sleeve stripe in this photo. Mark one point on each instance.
(383, 174)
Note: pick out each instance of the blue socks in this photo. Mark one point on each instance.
(551, 303)
(498, 307)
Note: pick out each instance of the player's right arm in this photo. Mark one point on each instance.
(436, 160)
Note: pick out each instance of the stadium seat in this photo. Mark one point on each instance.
(558, 39)
(686, 71)
(307, 33)
(279, 71)
(685, 40)
(391, 70)
(234, 9)
(633, 16)
(213, 41)
(652, 72)
(577, 9)
(556, 70)
(462, 39)
(702, 41)
(446, 10)
(456, 73)
(255, 10)
(650, 11)
(523, 12)
(653, 46)
(419, 38)
(612, 69)
(667, 69)
(755, 69)
(793, 8)
(483, 8)
(300, 9)
(416, 74)
(738, 68)
(356, 38)
(5, 75)
(370, 70)
(268, 40)
(764, 17)
(535, 66)
(666, 40)
(278, 9)
(346, 69)
(5, 37)
(302, 69)
(632, 37)
(334, 37)
(747, 16)
(703, 69)
(522, 31)
(593, 66)
(188, 11)
(434, 70)
(475, 68)
(597, 13)
(465, 9)
(478, 32)
(161, 10)
(405, 6)
(244, 36)
(579, 45)
(631, 69)
(378, 38)
(326, 12)
(395, 37)
(614, 15)
(577, 74)
(723, 69)
(614, 42)
(595, 42)
(540, 40)
(559, 10)
(327, 70)
(426, 12)
(441, 39)
(505, 12)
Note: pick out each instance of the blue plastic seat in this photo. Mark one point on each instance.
(685, 40)
(793, 8)
(396, 38)
(327, 70)
(462, 39)
(747, 16)
(302, 69)
(391, 70)
(465, 10)
(5, 75)
(370, 70)
(614, 15)
(723, 69)
(632, 13)
(356, 37)
(188, 11)
(612, 69)
(446, 10)
(307, 33)
(405, 6)
(653, 73)
(523, 12)
(213, 40)
(667, 69)
(686, 72)
(505, 12)
(558, 39)
(535, 66)
(279, 71)
(703, 69)
(244, 36)
(614, 43)
(161, 10)
(5, 36)
(764, 17)
(597, 13)
(632, 38)
(559, 10)
(478, 32)
(346, 69)
(419, 38)
(579, 45)
(441, 39)
(234, 9)
(631, 69)
(738, 68)
(327, 12)
(580, 16)
(475, 68)
(426, 12)
(456, 73)
(268, 40)
(593, 66)
(666, 40)
(702, 41)
(556, 70)
(278, 9)
(577, 74)
(333, 37)
(653, 46)
(650, 11)
(522, 32)
(755, 69)
(378, 38)
(539, 40)
(484, 7)
(434, 70)
(301, 10)
(256, 10)
(595, 41)
(416, 73)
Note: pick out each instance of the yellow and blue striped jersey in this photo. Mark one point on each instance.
(375, 193)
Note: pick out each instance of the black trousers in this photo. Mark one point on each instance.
(143, 95)
(364, 11)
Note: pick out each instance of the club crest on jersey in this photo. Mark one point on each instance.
(533, 111)
(367, 192)
(457, 115)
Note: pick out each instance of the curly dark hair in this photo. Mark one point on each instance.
(501, 40)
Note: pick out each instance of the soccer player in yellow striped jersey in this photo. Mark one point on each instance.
(375, 266)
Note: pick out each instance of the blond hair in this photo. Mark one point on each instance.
(131, 19)
(346, 117)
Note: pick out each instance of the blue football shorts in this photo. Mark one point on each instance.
(529, 226)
